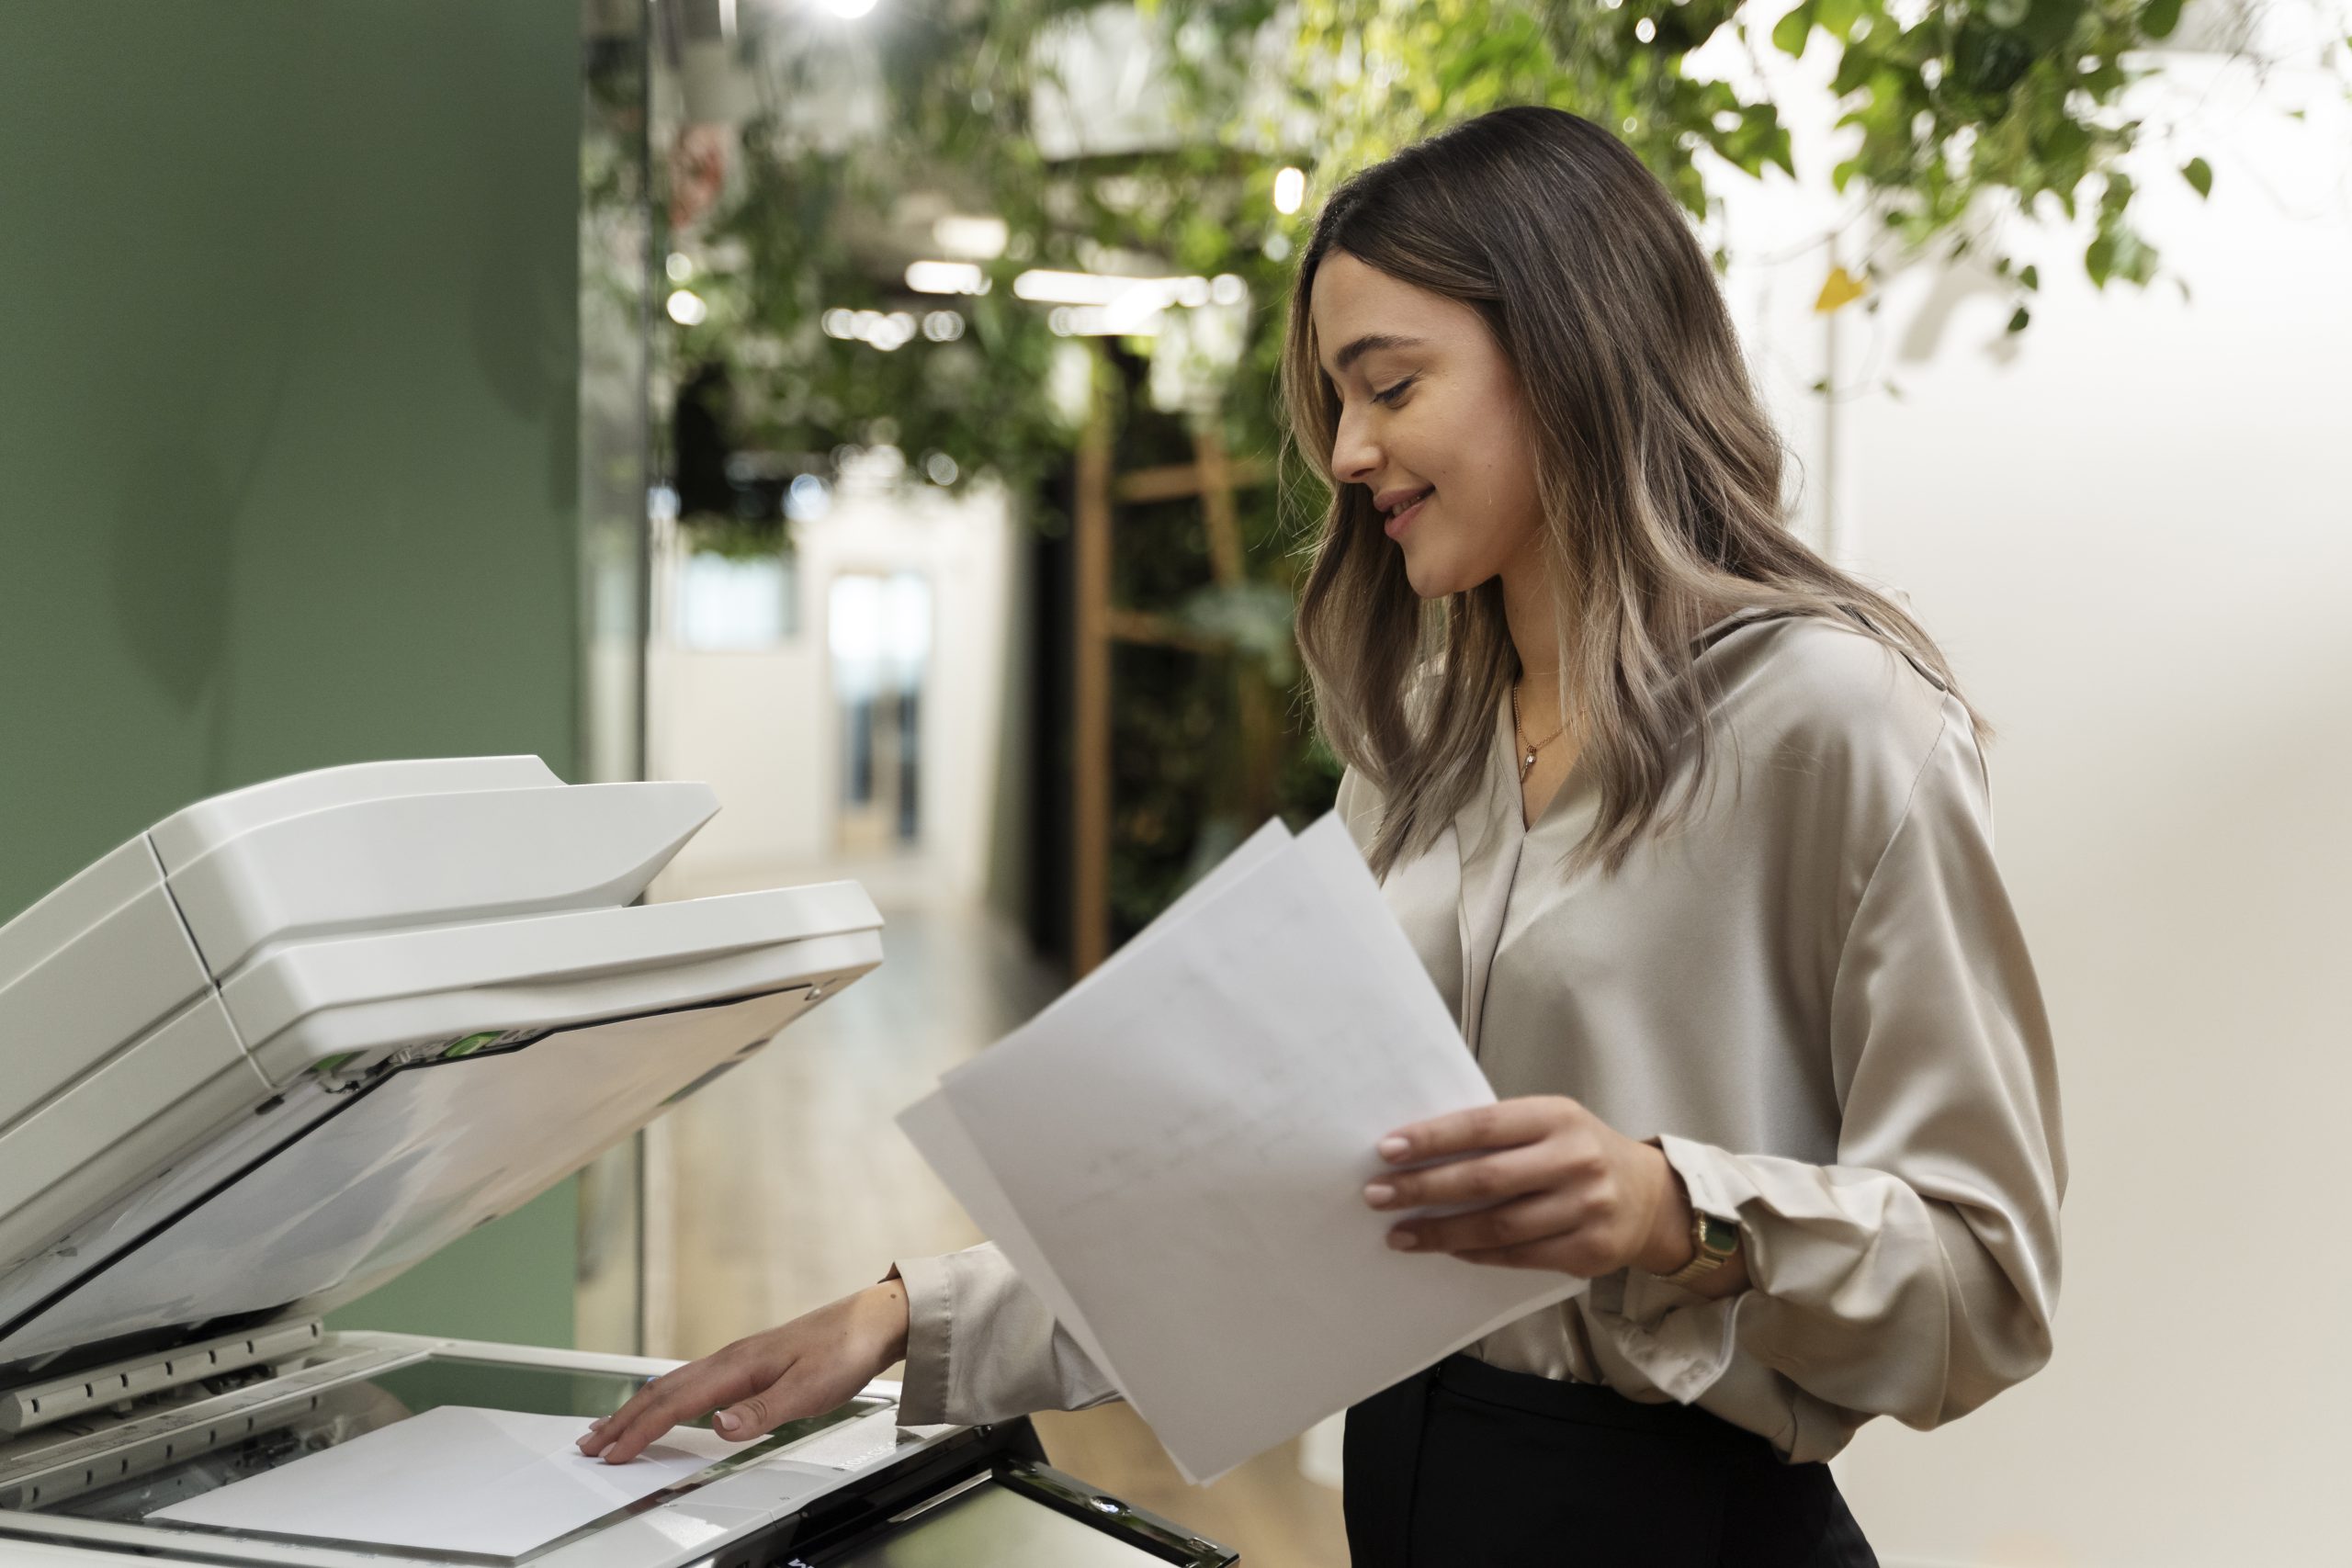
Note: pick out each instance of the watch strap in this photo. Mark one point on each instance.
(1712, 1243)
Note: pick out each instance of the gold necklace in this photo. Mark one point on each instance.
(1518, 732)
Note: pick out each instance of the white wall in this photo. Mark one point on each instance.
(762, 727)
(2134, 537)
(756, 725)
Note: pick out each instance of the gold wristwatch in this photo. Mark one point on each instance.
(1712, 1243)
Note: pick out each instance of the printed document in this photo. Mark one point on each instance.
(1173, 1156)
(495, 1483)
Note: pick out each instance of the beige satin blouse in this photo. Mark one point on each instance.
(1815, 994)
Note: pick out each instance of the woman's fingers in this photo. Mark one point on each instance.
(1544, 1217)
(757, 1415)
(693, 1389)
(1504, 1124)
(1485, 1178)
(804, 1367)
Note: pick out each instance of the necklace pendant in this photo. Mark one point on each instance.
(1527, 763)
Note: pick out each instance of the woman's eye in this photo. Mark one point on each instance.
(1389, 395)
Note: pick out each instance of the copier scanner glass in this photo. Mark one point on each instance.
(241, 1448)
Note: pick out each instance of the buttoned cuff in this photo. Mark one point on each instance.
(930, 1305)
(1681, 1341)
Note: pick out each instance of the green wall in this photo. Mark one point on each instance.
(287, 427)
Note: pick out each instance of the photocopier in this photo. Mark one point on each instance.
(295, 1039)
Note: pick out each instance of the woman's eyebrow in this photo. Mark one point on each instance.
(1368, 344)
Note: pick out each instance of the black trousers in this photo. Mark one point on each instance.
(1466, 1465)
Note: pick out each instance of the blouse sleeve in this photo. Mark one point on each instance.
(981, 1346)
(1918, 1276)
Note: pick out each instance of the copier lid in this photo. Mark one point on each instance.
(201, 1013)
(344, 1181)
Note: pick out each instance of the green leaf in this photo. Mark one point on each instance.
(2031, 277)
(2158, 17)
(2050, 25)
(2199, 174)
(1854, 68)
(1790, 32)
(2018, 319)
(2135, 259)
(2099, 259)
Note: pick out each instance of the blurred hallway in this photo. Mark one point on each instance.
(787, 1184)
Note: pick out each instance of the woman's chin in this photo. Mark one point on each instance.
(1431, 579)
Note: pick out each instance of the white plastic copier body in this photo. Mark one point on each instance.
(290, 1042)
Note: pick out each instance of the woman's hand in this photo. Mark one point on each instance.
(807, 1367)
(1557, 1187)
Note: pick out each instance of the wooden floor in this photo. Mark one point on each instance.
(787, 1184)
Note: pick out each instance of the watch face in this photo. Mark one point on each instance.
(1721, 1236)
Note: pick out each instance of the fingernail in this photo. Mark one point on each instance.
(729, 1420)
(1403, 1241)
(1393, 1148)
(1378, 1194)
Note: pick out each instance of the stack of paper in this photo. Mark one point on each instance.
(1173, 1156)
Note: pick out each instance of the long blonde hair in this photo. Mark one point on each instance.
(1658, 471)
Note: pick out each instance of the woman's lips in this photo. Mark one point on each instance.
(1396, 523)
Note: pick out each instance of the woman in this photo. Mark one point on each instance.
(1691, 830)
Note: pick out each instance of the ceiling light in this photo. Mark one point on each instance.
(1130, 293)
(1290, 189)
(946, 278)
(980, 239)
(1071, 288)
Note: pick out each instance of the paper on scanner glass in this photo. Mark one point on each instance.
(499, 1481)
(291, 1041)
(1173, 1156)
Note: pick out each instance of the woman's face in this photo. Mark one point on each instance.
(1431, 422)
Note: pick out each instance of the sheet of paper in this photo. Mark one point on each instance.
(1270, 840)
(455, 1478)
(931, 1125)
(1185, 1146)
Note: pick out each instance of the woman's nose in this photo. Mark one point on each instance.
(1354, 456)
